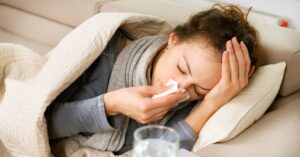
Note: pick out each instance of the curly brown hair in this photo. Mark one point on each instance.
(218, 25)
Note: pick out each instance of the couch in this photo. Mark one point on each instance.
(40, 25)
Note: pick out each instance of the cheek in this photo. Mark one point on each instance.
(167, 68)
(168, 71)
(167, 74)
(215, 78)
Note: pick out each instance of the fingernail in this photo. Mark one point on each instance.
(185, 97)
(185, 93)
(229, 44)
(235, 39)
(182, 90)
(242, 43)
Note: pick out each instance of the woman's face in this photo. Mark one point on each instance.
(191, 64)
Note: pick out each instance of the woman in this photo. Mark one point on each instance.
(211, 56)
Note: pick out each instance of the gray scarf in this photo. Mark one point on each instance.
(132, 68)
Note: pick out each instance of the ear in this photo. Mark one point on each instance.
(251, 71)
(173, 39)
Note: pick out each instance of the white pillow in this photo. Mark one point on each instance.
(245, 108)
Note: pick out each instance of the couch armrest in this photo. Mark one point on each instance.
(276, 134)
(32, 27)
(67, 12)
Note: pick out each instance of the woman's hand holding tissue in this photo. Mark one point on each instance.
(137, 102)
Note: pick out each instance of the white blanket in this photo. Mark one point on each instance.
(29, 82)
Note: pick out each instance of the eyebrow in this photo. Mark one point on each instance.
(189, 69)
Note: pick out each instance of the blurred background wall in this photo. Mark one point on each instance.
(287, 12)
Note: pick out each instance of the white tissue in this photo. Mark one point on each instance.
(172, 90)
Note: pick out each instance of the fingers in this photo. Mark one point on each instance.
(161, 103)
(158, 117)
(251, 71)
(248, 61)
(151, 107)
(152, 115)
(166, 101)
(151, 90)
(241, 61)
(233, 63)
(225, 67)
(156, 114)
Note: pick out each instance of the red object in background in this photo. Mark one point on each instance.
(283, 23)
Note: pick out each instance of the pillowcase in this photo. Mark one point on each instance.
(245, 108)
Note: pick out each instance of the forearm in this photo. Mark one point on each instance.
(200, 115)
(111, 108)
(69, 118)
(187, 135)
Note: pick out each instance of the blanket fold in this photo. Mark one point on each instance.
(30, 82)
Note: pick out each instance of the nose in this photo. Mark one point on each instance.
(185, 83)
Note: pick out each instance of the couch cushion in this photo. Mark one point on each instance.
(162, 8)
(276, 134)
(7, 37)
(280, 101)
(68, 12)
(279, 44)
(33, 27)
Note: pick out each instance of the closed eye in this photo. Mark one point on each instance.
(204, 91)
(180, 69)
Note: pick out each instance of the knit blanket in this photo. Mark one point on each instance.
(30, 82)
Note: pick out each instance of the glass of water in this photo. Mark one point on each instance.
(155, 141)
